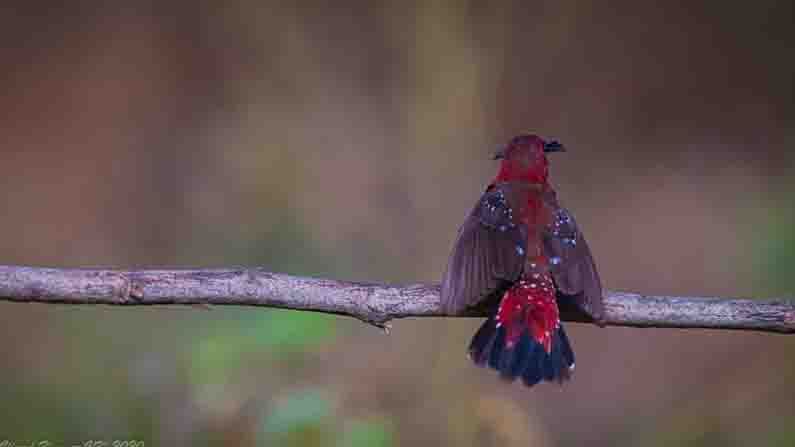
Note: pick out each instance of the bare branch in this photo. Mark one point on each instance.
(372, 303)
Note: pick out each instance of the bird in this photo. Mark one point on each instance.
(521, 257)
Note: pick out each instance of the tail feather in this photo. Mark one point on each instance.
(526, 358)
(484, 341)
(535, 367)
(497, 348)
(561, 349)
(555, 370)
(515, 361)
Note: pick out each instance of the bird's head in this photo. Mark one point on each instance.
(524, 159)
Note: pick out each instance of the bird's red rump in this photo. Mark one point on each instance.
(530, 305)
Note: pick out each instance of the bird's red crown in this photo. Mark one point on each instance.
(524, 159)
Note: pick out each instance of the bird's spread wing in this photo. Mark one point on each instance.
(490, 250)
(572, 265)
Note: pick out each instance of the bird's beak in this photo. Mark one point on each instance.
(500, 154)
(554, 146)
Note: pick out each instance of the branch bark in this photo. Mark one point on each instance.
(373, 303)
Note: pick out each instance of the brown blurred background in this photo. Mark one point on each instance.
(349, 141)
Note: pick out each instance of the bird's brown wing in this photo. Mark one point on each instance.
(490, 250)
(572, 264)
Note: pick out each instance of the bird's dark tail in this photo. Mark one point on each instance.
(526, 358)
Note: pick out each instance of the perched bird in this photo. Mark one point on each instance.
(521, 256)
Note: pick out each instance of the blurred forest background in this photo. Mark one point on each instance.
(349, 141)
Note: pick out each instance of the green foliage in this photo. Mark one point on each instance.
(778, 251)
(783, 438)
(368, 433)
(304, 411)
(276, 332)
(307, 418)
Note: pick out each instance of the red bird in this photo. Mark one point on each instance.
(520, 255)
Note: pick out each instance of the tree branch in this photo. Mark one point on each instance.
(372, 303)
